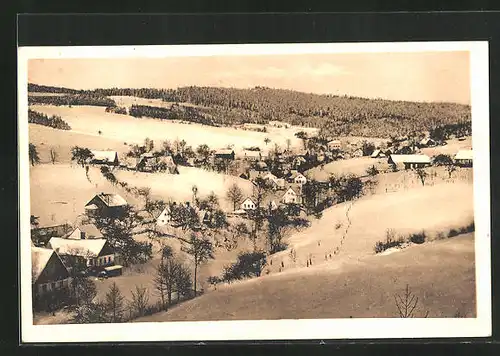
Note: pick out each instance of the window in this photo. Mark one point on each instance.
(91, 262)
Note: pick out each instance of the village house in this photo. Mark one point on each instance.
(357, 152)
(248, 204)
(290, 197)
(279, 124)
(86, 231)
(42, 235)
(427, 142)
(224, 154)
(149, 162)
(48, 272)
(165, 217)
(334, 145)
(106, 205)
(409, 161)
(261, 166)
(464, 158)
(252, 155)
(105, 157)
(300, 179)
(94, 253)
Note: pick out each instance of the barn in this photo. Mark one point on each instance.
(409, 161)
(105, 157)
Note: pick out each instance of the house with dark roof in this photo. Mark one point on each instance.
(106, 205)
(48, 272)
(224, 154)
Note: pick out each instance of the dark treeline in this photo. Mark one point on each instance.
(337, 115)
(36, 88)
(176, 112)
(56, 122)
(79, 99)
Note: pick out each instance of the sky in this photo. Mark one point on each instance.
(417, 76)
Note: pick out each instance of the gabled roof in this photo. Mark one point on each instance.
(39, 259)
(290, 189)
(412, 158)
(90, 230)
(376, 153)
(248, 199)
(111, 200)
(83, 248)
(105, 155)
(299, 175)
(464, 154)
(254, 154)
(224, 151)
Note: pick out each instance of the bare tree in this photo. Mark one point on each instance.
(234, 195)
(140, 300)
(201, 249)
(422, 175)
(53, 155)
(267, 140)
(407, 304)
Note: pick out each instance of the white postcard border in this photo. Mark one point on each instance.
(272, 329)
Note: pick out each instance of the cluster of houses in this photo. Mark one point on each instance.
(146, 162)
(463, 158)
(84, 245)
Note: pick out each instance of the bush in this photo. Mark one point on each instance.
(453, 233)
(391, 240)
(249, 264)
(418, 238)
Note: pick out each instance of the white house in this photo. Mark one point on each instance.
(248, 204)
(165, 217)
(464, 158)
(300, 179)
(334, 145)
(94, 252)
(290, 197)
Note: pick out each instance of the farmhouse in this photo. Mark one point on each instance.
(93, 252)
(409, 161)
(290, 197)
(224, 154)
(86, 231)
(464, 158)
(105, 157)
(261, 166)
(48, 272)
(248, 204)
(334, 145)
(252, 155)
(106, 205)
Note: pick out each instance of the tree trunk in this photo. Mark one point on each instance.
(195, 272)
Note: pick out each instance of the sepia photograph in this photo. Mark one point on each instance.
(251, 192)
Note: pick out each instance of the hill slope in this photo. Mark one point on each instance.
(441, 274)
(340, 115)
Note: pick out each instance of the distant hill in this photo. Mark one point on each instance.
(336, 115)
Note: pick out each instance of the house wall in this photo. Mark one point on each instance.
(43, 288)
(105, 260)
